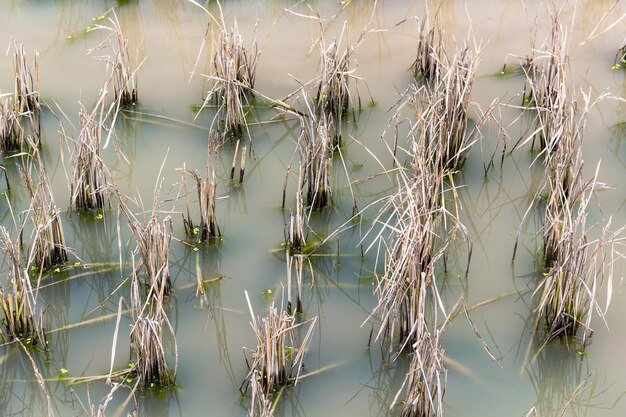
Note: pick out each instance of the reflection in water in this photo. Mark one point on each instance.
(562, 380)
(20, 394)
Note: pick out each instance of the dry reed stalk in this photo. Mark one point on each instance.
(294, 264)
(316, 158)
(47, 248)
(444, 109)
(260, 403)
(414, 238)
(565, 187)
(425, 382)
(124, 72)
(19, 309)
(295, 232)
(278, 358)
(10, 129)
(153, 241)
(333, 84)
(147, 339)
(26, 97)
(88, 187)
(547, 91)
(430, 53)
(233, 79)
(207, 194)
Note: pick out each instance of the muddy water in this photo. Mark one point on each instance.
(163, 135)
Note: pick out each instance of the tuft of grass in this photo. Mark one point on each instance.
(20, 318)
(233, 79)
(430, 53)
(89, 183)
(47, 241)
(279, 355)
(147, 339)
(425, 382)
(10, 128)
(26, 96)
(316, 158)
(207, 193)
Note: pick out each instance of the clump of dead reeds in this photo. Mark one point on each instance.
(445, 111)
(21, 319)
(279, 355)
(147, 335)
(233, 79)
(207, 194)
(546, 90)
(425, 382)
(575, 268)
(153, 241)
(414, 240)
(26, 98)
(430, 52)
(20, 113)
(124, 73)
(88, 187)
(10, 129)
(316, 158)
(47, 242)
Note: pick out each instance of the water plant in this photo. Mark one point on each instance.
(279, 355)
(20, 317)
(295, 231)
(233, 79)
(88, 186)
(425, 382)
(10, 129)
(148, 354)
(207, 193)
(26, 96)
(47, 241)
(414, 239)
(316, 157)
(153, 241)
(430, 52)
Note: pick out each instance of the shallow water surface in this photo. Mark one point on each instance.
(162, 133)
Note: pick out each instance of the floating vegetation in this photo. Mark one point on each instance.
(88, 187)
(430, 53)
(207, 193)
(425, 382)
(620, 59)
(233, 79)
(278, 358)
(47, 241)
(21, 320)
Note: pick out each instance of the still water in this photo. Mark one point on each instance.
(163, 134)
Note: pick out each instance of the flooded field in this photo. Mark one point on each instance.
(140, 256)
